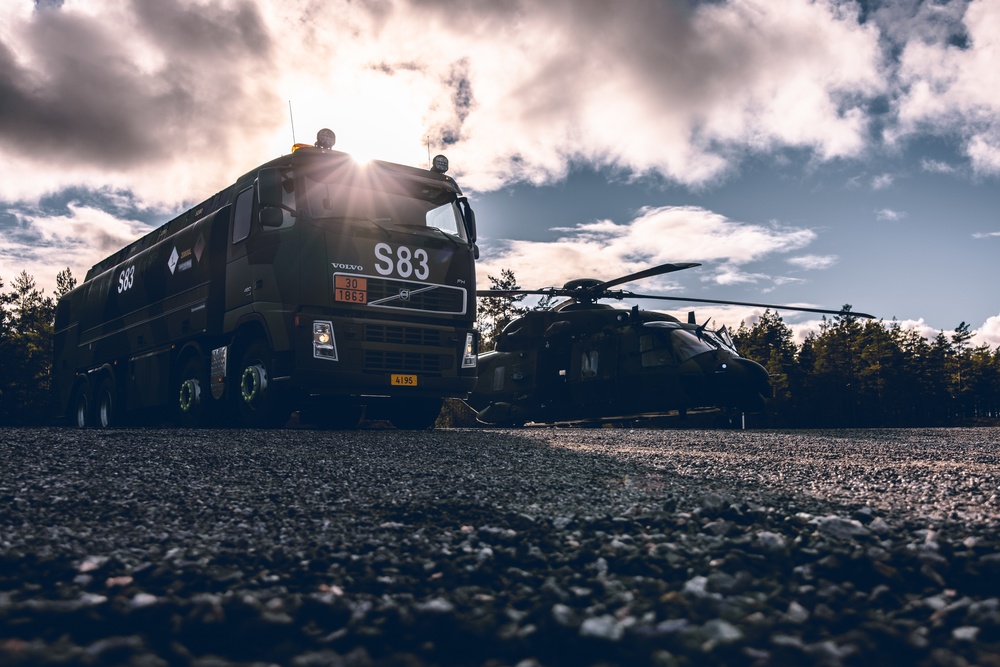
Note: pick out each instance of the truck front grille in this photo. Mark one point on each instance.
(403, 362)
(409, 295)
(401, 335)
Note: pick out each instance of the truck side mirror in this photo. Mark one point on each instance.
(271, 216)
(470, 219)
(269, 188)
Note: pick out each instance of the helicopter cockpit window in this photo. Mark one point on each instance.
(720, 339)
(683, 343)
(726, 339)
(687, 345)
(588, 364)
(655, 351)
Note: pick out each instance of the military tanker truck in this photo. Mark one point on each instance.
(314, 283)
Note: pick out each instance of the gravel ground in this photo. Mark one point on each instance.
(496, 547)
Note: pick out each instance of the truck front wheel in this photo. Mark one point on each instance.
(261, 405)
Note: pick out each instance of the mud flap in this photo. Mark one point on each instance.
(220, 362)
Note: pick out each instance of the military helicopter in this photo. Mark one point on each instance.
(586, 361)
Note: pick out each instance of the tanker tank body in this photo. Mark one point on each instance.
(120, 335)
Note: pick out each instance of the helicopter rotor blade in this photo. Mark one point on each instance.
(647, 273)
(632, 295)
(550, 291)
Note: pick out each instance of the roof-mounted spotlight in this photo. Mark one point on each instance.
(440, 164)
(325, 138)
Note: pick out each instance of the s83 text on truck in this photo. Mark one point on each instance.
(314, 283)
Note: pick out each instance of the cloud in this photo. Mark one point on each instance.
(889, 214)
(949, 79)
(988, 334)
(514, 90)
(157, 97)
(79, 238)
(813, 262)
(985, 235)
(605, 249)
(882, 181)
(937, 167)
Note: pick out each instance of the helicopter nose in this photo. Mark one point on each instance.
(744, 383)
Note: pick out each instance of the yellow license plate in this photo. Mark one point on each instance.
(403, 380)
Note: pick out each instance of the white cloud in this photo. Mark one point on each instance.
(882, 181)
(985, 235)
(811, 262)
(988, 334)
(949, 88)
(937, 167)
(43, 245)
(604, 249)
(889, 214)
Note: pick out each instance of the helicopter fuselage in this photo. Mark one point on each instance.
(592, 361)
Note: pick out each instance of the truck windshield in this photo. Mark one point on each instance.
(404, 204)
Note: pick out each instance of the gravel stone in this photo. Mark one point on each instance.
(605, 627)
(534, 547)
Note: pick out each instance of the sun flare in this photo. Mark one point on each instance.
(379, 119)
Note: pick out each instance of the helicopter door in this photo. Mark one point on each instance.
(594, 371)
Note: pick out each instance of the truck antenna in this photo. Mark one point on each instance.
(291, 118)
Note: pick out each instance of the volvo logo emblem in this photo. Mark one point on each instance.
(404, 294)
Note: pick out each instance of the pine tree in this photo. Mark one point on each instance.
(769, 343)
(28, 334)
(837, 366)
(496, 312)
(64, 282)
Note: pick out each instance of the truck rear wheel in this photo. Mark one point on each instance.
(415, 413)
(261, 405)
(192, 382)
(79, 406)
(106, 404)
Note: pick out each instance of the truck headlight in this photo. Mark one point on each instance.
(324, 343)
(469, 355)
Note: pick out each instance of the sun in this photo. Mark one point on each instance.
(380, 118)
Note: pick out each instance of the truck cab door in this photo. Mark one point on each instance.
(239, 278)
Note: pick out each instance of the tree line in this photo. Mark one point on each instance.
(870, 373)
(852, 372)
(26, 318)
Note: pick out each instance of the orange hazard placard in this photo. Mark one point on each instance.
(350, 289)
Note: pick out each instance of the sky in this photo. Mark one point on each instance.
(804, 152)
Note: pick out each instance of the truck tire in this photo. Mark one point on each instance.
(106, 404)
(79, 406)
(415, 413)
(192, 384)
(261, 405)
